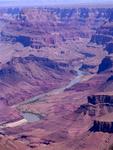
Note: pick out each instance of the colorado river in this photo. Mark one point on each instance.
(74, 81)
(31, 117)
(27, 117)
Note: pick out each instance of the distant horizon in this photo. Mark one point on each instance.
(17, 3)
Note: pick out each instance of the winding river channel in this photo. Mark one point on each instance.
(32, 117)
(75, 80)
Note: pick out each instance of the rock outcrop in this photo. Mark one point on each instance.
(107, 63)
(100, 109)
(110, 79)
(87, 67)
(101, 39)
(103, 35)
(109, 48)
(24, 40)
(100, 99)
(102, 126)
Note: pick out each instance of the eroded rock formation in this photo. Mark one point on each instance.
(107, 63)
(102, 126)
(51, 26)
(100, 99)
(100, 109)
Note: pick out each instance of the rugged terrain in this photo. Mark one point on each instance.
(56, 78)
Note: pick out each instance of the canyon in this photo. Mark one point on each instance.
(56, 78)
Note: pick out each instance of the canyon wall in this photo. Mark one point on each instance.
(40, 27)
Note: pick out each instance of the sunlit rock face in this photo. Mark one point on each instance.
(10, 143)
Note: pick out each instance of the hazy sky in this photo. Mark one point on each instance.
(51, 2)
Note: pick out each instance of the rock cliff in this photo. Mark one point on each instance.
(40, 27)
(100, 109)
(100, 99)
(102, 126)
(106, 64)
